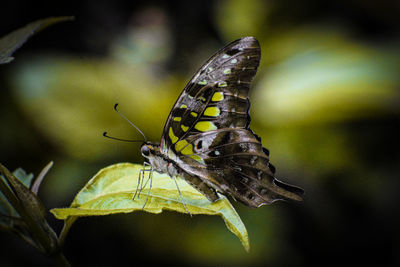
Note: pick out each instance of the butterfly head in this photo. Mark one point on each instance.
(150, 149)
(152, 153)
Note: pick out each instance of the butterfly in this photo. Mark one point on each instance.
(207, 140)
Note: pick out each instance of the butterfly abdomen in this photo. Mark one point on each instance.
(200, 185)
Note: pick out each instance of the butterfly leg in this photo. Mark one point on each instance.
(138, 183)
(150, 177)
(137, 186)
(180, 196)
(141, 177)
(151, 183)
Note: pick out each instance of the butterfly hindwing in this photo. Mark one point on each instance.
(236, 163)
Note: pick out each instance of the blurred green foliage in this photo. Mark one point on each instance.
(324, 102)
(15, 39)
(78, 97)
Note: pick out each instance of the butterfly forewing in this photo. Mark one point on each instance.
(217, 95)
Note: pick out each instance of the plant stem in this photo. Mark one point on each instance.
(67, 225)
(60, 260)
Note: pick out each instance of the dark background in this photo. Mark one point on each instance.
(325, 102)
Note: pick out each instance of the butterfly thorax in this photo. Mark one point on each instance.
(164, 164)
(160, 163)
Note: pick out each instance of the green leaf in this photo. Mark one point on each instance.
(111, 191)
(15, 39)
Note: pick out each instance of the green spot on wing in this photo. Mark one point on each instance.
(204, 126)
(197, 158)
(212, 111)
(184, 128)
(222, 84)
(227, 71)
(217, 96)
(172, 136)
(203, 82)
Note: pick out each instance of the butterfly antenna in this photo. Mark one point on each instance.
(125, 118)
(119, 139)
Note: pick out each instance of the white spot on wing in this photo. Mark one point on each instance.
(263, 191)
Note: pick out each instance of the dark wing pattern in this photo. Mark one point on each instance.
(216, 96)
(207, 132)
(237, 164)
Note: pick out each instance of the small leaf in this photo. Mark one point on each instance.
(30, 210)
(15, 39)
(5, 206)
(111, 191)
(24, 177)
